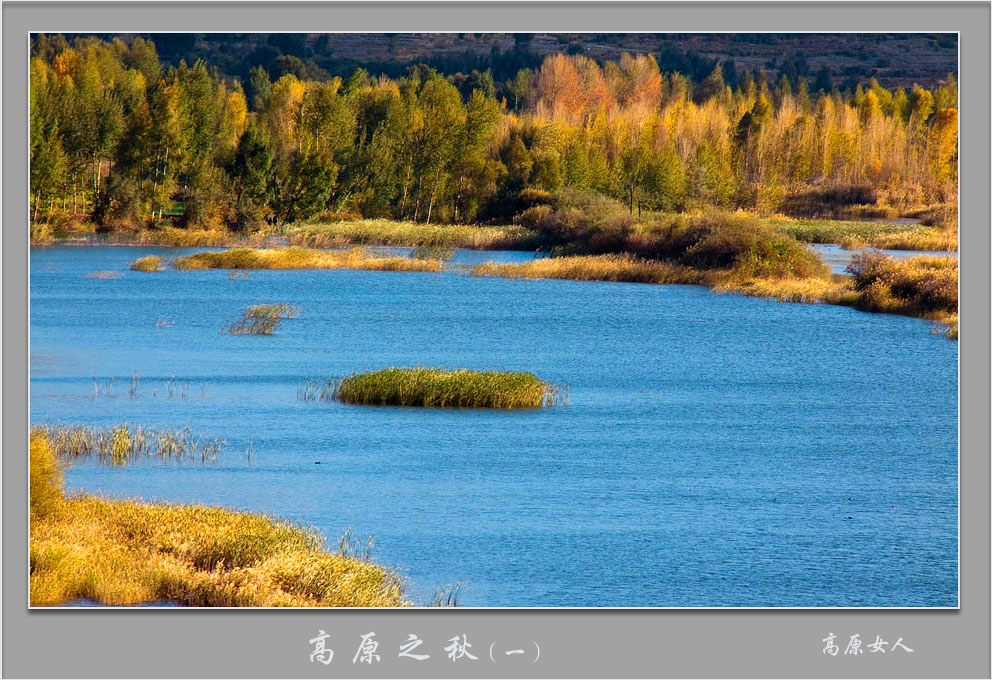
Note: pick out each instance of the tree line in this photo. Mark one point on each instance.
(119, 138)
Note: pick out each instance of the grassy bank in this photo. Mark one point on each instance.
(303, 258)
(409, 234)
(441, 388)
(858, 235)
(127, 552)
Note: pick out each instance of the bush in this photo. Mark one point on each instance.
(920, 286)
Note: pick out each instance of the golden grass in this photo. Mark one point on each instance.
(261, 319)
(442, 388)
(151, 263)
(195, 238)
(302, 258)
(124, 444)
(128, 552)
(926, 239)
(411, 234)
(272, 311)
(808, 291)
(626, 268)
(41, 235)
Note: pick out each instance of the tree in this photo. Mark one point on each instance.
(250, 171)
(301, 187)
(259, 88)
(712, 86)
(49, 164)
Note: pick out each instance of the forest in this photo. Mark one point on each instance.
(121, 141)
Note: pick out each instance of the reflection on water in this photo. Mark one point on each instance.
(718, 450)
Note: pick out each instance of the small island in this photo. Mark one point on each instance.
(443, 388)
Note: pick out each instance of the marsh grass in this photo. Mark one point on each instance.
(272, 311)
(127, 552)
(857, 235)
(923, 239)
(317, 389)
(125, 444)
(105, 388)
(617, 268)
(103, 276)
(443, 388)
(302, 258)
(251, 326)
(261, 319)
(448, 596)
(151, 263)
(440, 253)
(410, 234)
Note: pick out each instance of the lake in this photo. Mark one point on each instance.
(717, 450)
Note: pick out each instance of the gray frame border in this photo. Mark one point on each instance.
(574, 643)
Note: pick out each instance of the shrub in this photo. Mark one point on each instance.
(919, 286)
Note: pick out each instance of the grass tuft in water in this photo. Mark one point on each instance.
(443, 388)
(261, 319)
(274, 311)
(316, 389)
(152, 263)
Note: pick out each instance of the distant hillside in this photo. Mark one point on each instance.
(895, 59)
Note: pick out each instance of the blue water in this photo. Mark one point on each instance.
(717, 450)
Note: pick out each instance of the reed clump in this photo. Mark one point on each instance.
(618, 268)
(151, 263)
(303, 258)
(124, 444)
(261, 319)
(127, 552)
(410, 234)
(103, 276)
(443, 388)
(272, 311)
(251, 326)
